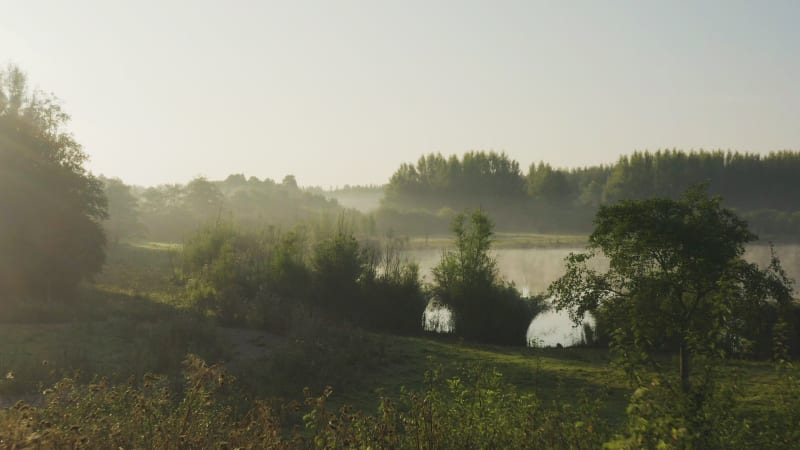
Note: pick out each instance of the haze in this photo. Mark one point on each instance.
(343, 92)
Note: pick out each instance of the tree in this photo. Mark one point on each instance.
(676, 277)
(549, 185)
(50, 232)
(484, 306)
(290, 181)
(123, 211)
(203, 198)
(338, 263)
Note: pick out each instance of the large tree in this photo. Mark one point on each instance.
(50, 206)
(676, 277)
(485, 307)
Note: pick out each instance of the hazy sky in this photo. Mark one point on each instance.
(342, 92)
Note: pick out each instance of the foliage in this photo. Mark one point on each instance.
(659, 419)
(747, 181)
(123, 211)
(146, 416)
(115, 336)
(475, 409)
(545, 199)
(762, 187)
(676, 275)
(485, 307)
(394, 298)
(273, 278)
(174, 212)
(711, 418)
(471, 407)
(476, 173)
(242, 277)
(50, 233)
(676, 279)
(203, 199)
(338, 264)
(548, 185)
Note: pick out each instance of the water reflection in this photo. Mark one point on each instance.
(553, 328)
(437, 318)
(532, 270)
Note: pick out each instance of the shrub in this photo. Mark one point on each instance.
(394, 298)
(270, 280)
(225, 272)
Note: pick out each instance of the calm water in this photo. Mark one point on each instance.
(532, 270)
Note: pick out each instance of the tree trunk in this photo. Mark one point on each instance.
(685, 357)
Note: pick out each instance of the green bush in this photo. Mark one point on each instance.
(338, 264)
(271, 279)
(225, 272)
(394, 297)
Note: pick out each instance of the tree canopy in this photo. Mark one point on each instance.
(123, 211)
(50, 232)
(676, 277)
(763, 188)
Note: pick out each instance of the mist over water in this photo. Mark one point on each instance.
(532, 271)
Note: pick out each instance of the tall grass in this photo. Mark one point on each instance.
(474, 408)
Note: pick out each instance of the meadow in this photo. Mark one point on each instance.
(131, 322)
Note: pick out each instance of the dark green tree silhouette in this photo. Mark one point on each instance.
(548, 185)
(123, 211)
(50, 232)
(676, 277)
(485, 307)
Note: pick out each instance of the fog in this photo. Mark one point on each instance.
(364, 202)
(532, 271)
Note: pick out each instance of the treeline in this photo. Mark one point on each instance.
(763, 188)
(423, 198)
(172, 212)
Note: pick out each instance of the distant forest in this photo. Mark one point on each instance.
(422, 198)
(173, 212)
(765, 189)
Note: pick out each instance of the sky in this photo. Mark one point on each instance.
(343, 92)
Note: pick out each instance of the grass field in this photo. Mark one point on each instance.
(132, 321)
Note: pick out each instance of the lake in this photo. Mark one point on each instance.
(533, 269)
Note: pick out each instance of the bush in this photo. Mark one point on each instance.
(338, 264)
(270, 279)
(394, 298)
(225, 273)
(102, 415)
